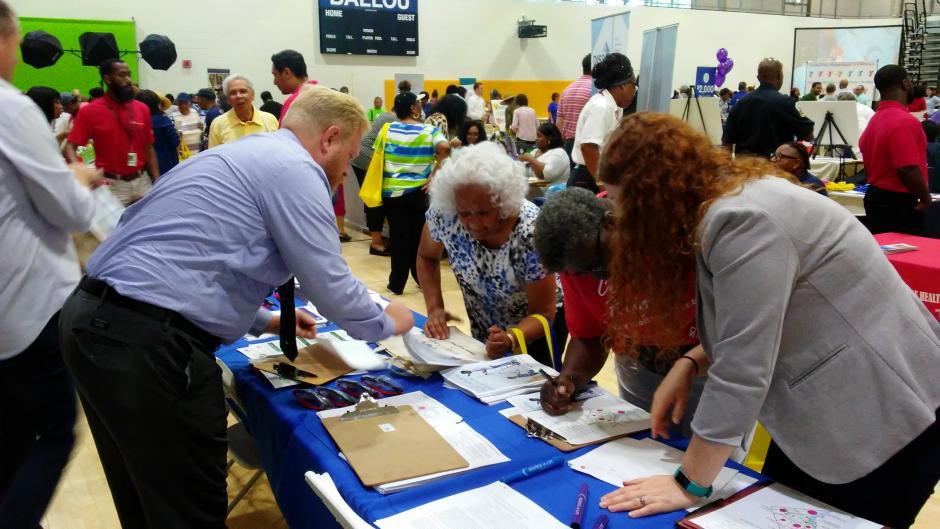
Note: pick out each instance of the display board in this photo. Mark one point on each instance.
(879, 45)
(68, 72)
(369, 27)
(856, 73)
(608, 35)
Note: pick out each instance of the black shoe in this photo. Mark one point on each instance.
(344, 237)
(385, 252)
(393, 291)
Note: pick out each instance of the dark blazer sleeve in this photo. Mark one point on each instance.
(799, 125)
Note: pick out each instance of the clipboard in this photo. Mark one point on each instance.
(689, 521)
(384, 444)
(534, 429)
(326, 366)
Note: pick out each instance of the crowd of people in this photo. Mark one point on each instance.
(723, 307)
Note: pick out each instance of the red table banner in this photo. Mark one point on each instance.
(920, 269)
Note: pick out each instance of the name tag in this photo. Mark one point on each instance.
(132, 159)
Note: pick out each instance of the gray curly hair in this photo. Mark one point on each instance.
(235, 77)
(569, 216)
(485, 164)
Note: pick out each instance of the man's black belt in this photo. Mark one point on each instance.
(102, 290)
(125, 177)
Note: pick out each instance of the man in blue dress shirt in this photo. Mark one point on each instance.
(187, 268)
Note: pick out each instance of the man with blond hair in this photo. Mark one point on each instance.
(187, 269)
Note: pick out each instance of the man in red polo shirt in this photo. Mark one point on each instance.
(895, 151)
(122, 134)
(571, 237)
(290, 73)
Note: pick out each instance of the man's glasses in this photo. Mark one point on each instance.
(775, 156)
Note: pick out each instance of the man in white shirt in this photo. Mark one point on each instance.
(864, 112)
(41, 201)
(616, 84)
(476, 106)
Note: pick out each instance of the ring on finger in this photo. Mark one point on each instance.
(642, 501)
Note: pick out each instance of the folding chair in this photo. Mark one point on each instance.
(241, 446)
(325, 489)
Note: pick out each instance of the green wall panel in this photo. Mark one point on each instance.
(68, 72)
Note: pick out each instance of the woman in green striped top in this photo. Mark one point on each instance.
(412, 153)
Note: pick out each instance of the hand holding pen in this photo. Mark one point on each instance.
(557, 394)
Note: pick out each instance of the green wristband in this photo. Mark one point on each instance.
(690, 486)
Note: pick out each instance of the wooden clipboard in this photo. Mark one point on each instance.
(384, 444)
(561, 444)
(325, 365)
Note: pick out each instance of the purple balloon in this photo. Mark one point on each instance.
(729, 65)
(719, 79)
(721, 55)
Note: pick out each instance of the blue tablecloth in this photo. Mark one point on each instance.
(292, 441)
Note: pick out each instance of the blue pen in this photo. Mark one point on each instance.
(601, 522)
(534, 469)
(579, 507)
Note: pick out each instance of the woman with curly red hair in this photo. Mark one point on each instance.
(805, 326)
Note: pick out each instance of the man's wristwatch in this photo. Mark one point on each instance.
(690, 486)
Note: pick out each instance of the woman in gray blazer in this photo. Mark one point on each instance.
(805, 325)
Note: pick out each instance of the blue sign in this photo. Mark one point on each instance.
(369, 27)
(705, 81)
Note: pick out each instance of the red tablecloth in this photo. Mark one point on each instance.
(920, 269)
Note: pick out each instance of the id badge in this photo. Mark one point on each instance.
(132, 159)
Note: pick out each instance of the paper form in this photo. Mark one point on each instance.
(432, 411)
(457, 350)
(777, 507)
(625, 459)
(495, 505)
(589, 421)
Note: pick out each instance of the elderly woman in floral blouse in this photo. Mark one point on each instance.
(479, 214)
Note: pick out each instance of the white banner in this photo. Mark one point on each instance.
(857, 73)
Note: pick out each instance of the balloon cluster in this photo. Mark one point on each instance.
(725, 64)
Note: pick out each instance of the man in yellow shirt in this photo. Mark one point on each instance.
(243, 118)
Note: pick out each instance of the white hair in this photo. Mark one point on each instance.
(487, 165)
(235, 77)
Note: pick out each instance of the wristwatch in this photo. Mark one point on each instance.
(690, 486)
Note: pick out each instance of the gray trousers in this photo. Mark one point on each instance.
(637, 385)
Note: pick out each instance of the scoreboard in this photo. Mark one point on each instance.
(369, 27)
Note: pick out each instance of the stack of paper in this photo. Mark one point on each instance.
(472, 446)
(625, 459)
(421, 354)
(495, 505)
(496, 380)
(597, 418)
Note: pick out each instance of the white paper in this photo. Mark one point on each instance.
(495, 505)
(457, 350)
(495, 380)
(625, 459)
(262, 350)
(431, 410)
(738, 482)
(108, 212)
(777, 507)
(531, 402)
(378, 299)
(589, 421)
(476, 449)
